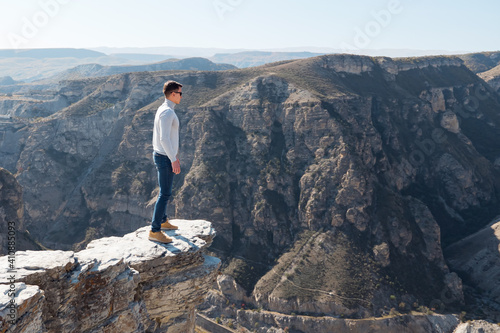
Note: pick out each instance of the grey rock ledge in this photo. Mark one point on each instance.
(117, 284)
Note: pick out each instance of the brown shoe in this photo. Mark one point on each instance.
(159, 237)
(167, 226)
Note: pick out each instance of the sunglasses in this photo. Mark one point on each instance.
(178, 92)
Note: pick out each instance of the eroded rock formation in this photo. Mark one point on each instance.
(477, 259)
(334, 181)
(117, 284)
(14, 236)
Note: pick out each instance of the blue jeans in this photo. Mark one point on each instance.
(165, 178)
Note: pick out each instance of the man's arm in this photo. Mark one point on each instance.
(165, 128)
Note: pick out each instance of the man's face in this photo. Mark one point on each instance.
(176, 96)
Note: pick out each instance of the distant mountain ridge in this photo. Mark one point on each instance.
(209, 52)
(30, 65)
(258, 58)
(96, 70)
(41, 64)
(50, 53)
(7, 80)
(146, 58)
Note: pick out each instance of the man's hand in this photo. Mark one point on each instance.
(176, 167)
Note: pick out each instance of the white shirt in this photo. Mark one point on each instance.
(166, 131)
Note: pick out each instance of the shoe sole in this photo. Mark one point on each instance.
(169, 228)
(159, 241)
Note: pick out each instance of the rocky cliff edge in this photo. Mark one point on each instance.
(117, 284)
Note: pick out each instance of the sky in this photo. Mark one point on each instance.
(252, 24)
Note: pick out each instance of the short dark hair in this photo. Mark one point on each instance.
(170, 86)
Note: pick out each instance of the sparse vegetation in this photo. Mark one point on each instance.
(331, 253)
(394, 312)
(425, 310)
(402, 306)
(243, 273)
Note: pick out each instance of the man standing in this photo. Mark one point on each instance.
(165, 146)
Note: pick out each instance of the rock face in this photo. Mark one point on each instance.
(14, 236)
(492, 77)
(477, 259)
(30, 301)
(334, 181)
(486, 65)
(12, 135)
(11, 209)
(477, 326)
(117, 284)
(414, 324)
(268, 321)
(482, 61)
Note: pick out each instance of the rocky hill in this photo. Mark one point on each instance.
(7, 80)
(482, 61)
(477, 259)
(492, 77)
(486, 65)
(334, 182)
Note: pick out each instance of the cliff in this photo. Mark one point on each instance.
(243, 317)
(117, 284)
(14, 235)
(477, 259)
(334, 181)
(11, 208)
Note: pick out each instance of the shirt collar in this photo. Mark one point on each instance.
(170, 104)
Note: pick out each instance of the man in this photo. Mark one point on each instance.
(165, 146)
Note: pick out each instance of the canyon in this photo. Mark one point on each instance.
(338, 184)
